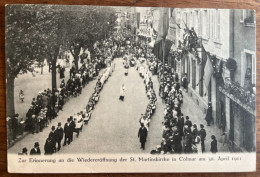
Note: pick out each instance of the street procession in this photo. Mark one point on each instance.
(126, 80)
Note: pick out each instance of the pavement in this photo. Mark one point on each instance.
(32, 85)
(114, 124)
(196, 115)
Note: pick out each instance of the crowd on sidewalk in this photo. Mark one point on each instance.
(49, 102)
(179, 134)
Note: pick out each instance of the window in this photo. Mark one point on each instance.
(208, 24)
(205, 26)
(218, 24)
(200, 23)
(248, 67)
(191, 20)
(213, 24)
(247, 17)
(196, 21)
(188, 20)
(251, 66)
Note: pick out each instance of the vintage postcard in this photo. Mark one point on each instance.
(94, 89)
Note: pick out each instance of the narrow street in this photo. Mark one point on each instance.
(114, 124)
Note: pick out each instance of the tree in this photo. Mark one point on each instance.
(21, 48)
(87, 26)
(36, 32)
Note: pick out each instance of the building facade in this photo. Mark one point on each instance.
(229, 36)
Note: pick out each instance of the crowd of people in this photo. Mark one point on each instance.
(150, 109)
(76, 122)
(48, 103)
(179, 134)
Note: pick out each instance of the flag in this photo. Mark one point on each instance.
(208, 70)
(156, 19)
(161, 22)
(160, 25)
(138, 19)
(168, 45)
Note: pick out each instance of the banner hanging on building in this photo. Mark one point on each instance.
(207, 72)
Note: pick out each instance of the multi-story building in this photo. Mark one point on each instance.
(144, 30)
(228, 35)
(240, 115)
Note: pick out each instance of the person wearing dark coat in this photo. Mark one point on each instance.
(185, 82)
(188, 122)
(36, 150)
(202, 134)
(15, 125)
(48, 147)
(72, 72)
(52, 139)
(52, 133)
(59, 135)
(188, 143)
(180, 125)
(142, 135)
(28, 122)
(72, 128)
(194, 131)
(208, 117)
(62, 70)
(67, 132)
(214, 145)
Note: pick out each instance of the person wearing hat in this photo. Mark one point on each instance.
(52, 133)
(67, 132)
(202, 134)
(142, 135)
(36, 150)
(214, 145)
(188, 122)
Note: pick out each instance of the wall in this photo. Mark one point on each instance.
(244, 38)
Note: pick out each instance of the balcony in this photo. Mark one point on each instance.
(239, 95)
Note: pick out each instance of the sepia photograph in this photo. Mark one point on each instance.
(153, 81)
